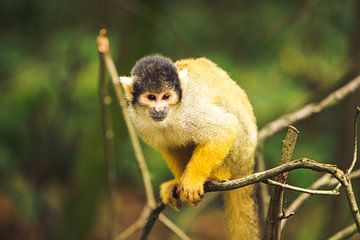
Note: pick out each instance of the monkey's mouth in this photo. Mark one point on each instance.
(158, 117)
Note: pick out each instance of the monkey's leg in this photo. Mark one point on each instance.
(205, 158)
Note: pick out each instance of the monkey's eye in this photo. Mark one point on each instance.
(165, 96)
(151, 97)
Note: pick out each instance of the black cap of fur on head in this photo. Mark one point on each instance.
(154, 73)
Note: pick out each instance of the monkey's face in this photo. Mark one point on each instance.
(155, 87)
(158, 105)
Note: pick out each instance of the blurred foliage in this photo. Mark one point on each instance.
(52, 168)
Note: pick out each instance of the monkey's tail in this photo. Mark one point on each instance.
(241, 214)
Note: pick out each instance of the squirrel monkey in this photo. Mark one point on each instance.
(203, 124)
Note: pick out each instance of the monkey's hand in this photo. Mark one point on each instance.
(168, 194)
(191, 189)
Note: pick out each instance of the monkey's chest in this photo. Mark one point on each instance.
(166, 137)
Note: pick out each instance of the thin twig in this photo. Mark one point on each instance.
(276, 206)
(151, 219)
(333, 192)
(346, 182)
(302, 163)
(285, 120)
(191, 213)
(275, 126)
(138, 224)
(353, 162)
(263, 191)
(325, 180)
(130, 230)
(345, 233)
(104, 50)
(173, 227)
(355, 142)
(355, 174)
(108, 134)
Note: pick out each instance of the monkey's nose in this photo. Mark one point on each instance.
(160, 108)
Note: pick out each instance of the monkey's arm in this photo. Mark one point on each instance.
(175, 161)
(221, 132)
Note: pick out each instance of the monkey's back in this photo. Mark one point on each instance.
(223, 91)
(206, 79)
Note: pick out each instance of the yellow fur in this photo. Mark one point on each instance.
(210, 134)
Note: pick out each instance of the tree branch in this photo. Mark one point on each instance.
(303, 163)
(277, 125)
(333, 192)
(108, 134)
(345, 233)
(326, 179)
(104, 51)
(173, 227)
(282, 122)
(138, 224)
(355, 152)
(151, 219)
(276, 206)
(226, 185)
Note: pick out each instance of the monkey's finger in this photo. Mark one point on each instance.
(176, 193)
(184, 194)
(201, 193)
(175, 204)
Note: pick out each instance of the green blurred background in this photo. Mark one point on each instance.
(53, 178)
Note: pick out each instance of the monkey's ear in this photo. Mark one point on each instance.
(127, 83)
(183, 76)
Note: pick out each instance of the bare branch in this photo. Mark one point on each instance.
(276, 206)
(302, 197)
(225, 185)
(355, 142)
(282, 122)
(355, 174)
(303, 163)
(138, 224)
(333, 192)
(264, 196)
(108, 134)
(104, 51)
(351, 200)
(173, 227)
(151, 219)
(275, 126)
(345, 233)
(326, 179)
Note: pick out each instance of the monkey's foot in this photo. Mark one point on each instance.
(191, 191)
(168, 194)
